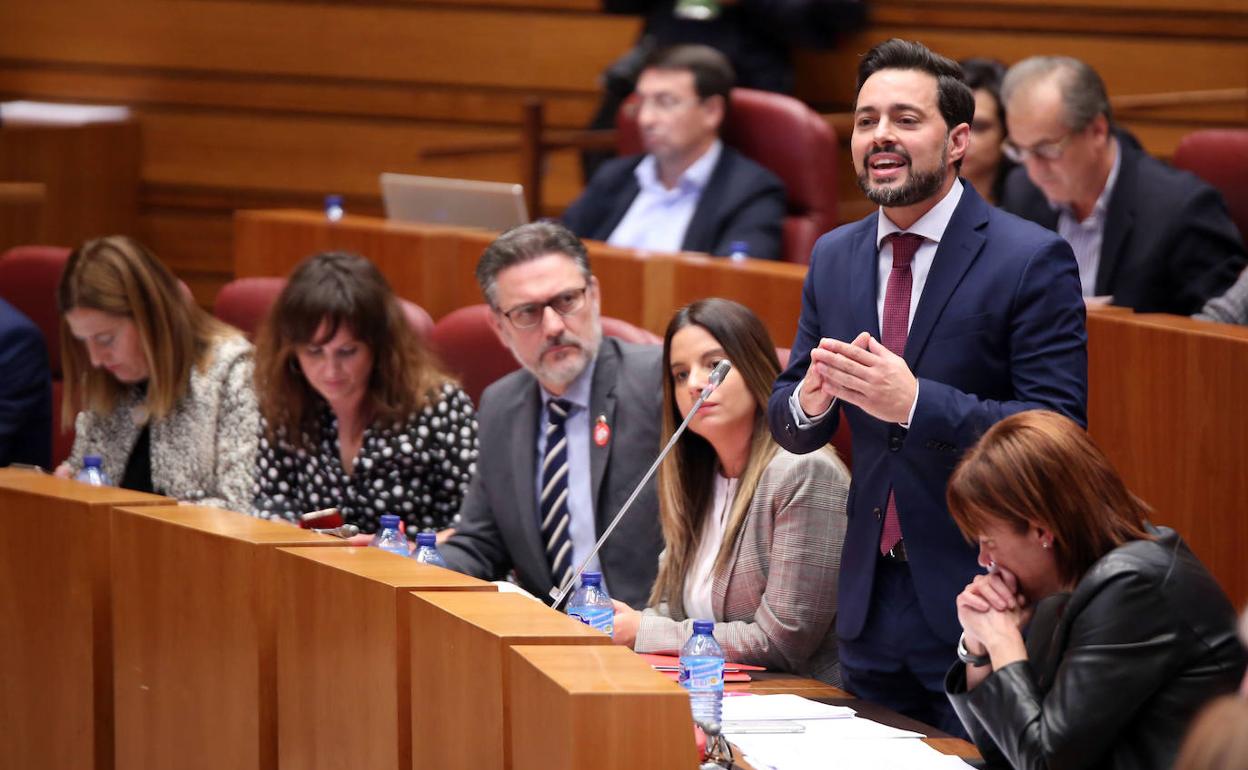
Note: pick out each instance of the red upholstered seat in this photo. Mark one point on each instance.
(472, 351)
(29, 276)
(788, 138)
(1220, 157)
(244, 302)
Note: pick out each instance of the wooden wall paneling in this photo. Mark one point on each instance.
(344, 699)
(21, 213)
(56, 653)
(773, 290)
(194, 602)
(460, 638)
(91, 173)
(1166, 405)
(563, 699)
(1129, 64)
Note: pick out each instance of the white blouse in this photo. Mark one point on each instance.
(698, 582)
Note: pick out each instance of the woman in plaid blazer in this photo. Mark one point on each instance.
(752, 533)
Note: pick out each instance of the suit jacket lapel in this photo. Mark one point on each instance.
(864, 278)
(628, 192)
(698, 236)
(524, 448)
(602, 404)
(1119, 218)
(959, 246)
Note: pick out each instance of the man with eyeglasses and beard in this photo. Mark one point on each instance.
(1146, 236)
(922, 324)
(564, 440)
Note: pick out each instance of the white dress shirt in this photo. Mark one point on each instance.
(701, 577)
(658, 217)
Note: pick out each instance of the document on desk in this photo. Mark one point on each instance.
(832, 736)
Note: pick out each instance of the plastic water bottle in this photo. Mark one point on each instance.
(93, 472)
(702, 674)
(739, 251)
(390, 537)
(591, 605)
(333, 207)
(427, 549)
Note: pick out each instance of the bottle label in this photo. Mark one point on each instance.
(701, 673)
(601, 618)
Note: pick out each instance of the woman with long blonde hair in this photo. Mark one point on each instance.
(752, 533)
(164, 388)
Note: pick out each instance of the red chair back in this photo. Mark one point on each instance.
(466, 343)
(29, 276)
(1220, 157)
(244, 302)
(789, 139)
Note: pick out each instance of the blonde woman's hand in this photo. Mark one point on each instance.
(627, 620)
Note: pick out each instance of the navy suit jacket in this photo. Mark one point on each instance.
(25, 391)
(1170, 244)
(999, 329)
(742, 201)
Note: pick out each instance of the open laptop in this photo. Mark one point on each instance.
(463, 202)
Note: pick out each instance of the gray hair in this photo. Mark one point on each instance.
(1083, 92)
(523, 243)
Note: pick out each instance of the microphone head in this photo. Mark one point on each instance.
(716, 376)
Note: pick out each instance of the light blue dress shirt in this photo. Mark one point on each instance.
(1085, 238)
(581, 523)
(658, 217)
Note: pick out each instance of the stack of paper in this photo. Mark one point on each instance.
(832, 736)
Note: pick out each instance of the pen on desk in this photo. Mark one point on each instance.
(314, 515)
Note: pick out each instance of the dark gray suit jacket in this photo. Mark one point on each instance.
(498, 528)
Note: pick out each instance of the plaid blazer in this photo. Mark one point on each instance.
(775, 602)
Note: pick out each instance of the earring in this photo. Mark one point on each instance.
(1046, 544)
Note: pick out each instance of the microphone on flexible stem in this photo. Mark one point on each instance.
(559, 593)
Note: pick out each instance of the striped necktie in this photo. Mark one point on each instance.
(553, 507)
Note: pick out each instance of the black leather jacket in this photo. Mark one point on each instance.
(1115, 670)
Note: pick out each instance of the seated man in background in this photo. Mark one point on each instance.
(688, 192)
(563, 441)
(1145, 235)
(25, 391)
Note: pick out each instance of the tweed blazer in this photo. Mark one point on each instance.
(204, 450)
(775, 602)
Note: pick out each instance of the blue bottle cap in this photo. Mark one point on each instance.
(333, 200)
(427, 538)
(741, 246)
(92, 461)
(591, 578)
(703, 626)
(389, 521)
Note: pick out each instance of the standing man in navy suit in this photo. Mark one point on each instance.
(923, 325)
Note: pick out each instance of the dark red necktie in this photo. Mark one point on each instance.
(893, 331)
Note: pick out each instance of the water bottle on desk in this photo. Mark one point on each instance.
(427, 549)
(739, 251)
(702, 674)
(333, 207)
(390, 537)
(591, 605)
(93, 472)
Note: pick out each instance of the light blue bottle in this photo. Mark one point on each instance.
(702, 674)
(739, 251)
(427, 549)
(390, 536)
(93, 472)
(591, 605)
(333, 208)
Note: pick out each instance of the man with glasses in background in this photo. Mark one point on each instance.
(565, 439)
(689, 192)
(1146, 235)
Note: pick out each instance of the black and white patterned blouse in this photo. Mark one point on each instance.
(419, 470)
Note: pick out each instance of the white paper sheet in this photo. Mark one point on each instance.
(785, 706)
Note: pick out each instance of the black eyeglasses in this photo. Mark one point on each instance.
(563, 303)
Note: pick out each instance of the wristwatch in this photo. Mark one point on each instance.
(966, 657)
